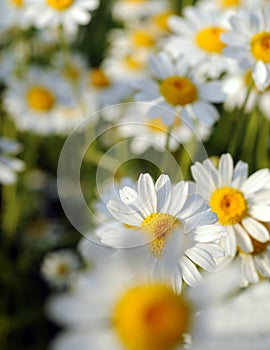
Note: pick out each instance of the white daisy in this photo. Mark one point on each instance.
(37, 99)
(249, 42)
(230, 5)
(12, 14)
(154, 133)
(238, 92)
(173, 230)
(132, 10)
(197, 39)
(119, 308)
(58, 267)
(9, 166)
(68, 13)
(175, 89)
(240, 202)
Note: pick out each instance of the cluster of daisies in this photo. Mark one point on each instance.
(167, 265)
(164, 266)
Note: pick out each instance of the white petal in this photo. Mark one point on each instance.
(226, 169)
(256, 229)
(240, 174)
(260, 75)
(179, 197)
(163, 190)
(242, 238)
(200, 219)
(124, 214)
(191, 275)
(262, 265)
(248, 269)
(256, 181)
(260, 212)
(229, 241)
(213, 249)
(202, 258)
(126, 238)
(147, 194)
(212, 92)
(209, 233)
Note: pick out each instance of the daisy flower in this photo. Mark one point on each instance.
(127, 312)
(230, 5)
(172, 229)
(57, 267)
(35, 101)
(176, 90)
(9, 166)
(238, 92)
(68, 13)
(196, 37)
(240, 202)
(12, 14)
(248, 41)
(146, 132)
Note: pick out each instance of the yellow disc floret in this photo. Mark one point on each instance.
(152, 317)
(17, 3)
(178, 90)
(229, 204)
(208, 39)
(258, 247)
(159, 226)
(260, 46)
(229, 3)
(98, 78)
(161, 20)
(60, 5)
(141, 38)
(157, 125)
(40, 98)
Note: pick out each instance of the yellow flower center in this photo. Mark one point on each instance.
(63, 269)
(229, 204)
(229, 3)
(60, 5)
(152, 317)
(133, 63)
(260, 46)
(40, 98)
(178, 90)
(208, 39)
(17, 3)
(156, 125)
(98, 78)
(134, 1)
(159, 226)
(161, 20)
(141, 38)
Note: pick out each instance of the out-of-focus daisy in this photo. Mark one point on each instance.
(240, 94)
(240, 202)
(9, 166)
(12, 14)
(68, 13)
(230, 5)
(248, 41)
(154, 133)
(127, 312)
(36, 101)
(197, 39)
(173, 230)
(173, 88)
(132, 10)
(58, 267)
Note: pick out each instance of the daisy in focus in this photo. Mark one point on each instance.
(240, 202)
(248, 42)
(171, 229)
(67, 13)
(58, 267)
(197, 38)
(9, 166)
(175, 89)
(37, 100)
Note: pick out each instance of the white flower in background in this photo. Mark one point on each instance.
(9, 166)
(68, 13)
(58, 267)
(240, 202)
(12, 14)
(116, 307)
(248, 42)
(175, 89)
(37, 101)
(230, 5)
(238, 92)
(196, 38)
(134, 10)
(7, 65)
(171, 229)
(146, 132)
